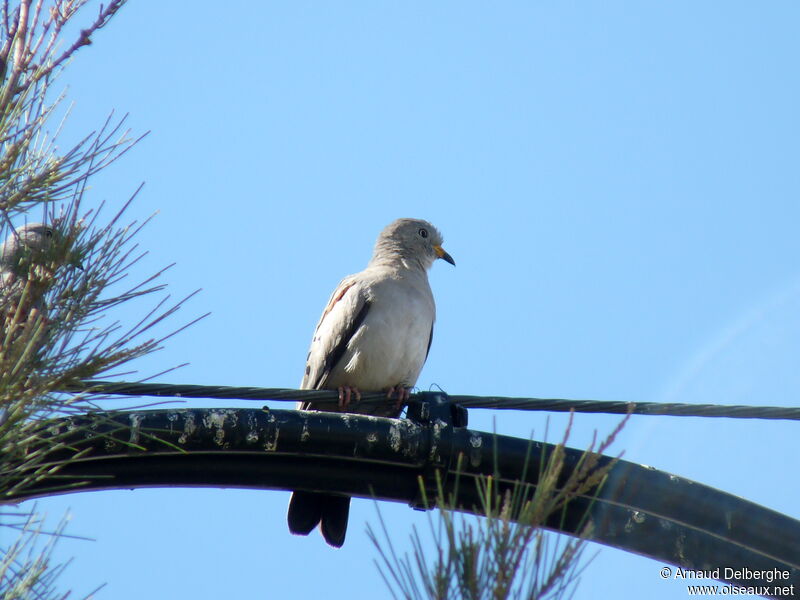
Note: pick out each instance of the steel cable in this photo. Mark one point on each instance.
(164, 390)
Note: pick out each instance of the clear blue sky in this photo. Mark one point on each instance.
(617, 181)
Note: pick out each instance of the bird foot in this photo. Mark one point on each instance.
(345, 393)
(403, 395)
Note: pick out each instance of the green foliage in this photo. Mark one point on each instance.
(55, 324)
(27, 571)
(506, 552)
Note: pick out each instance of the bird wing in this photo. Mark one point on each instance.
(344, 314)
(430, 341)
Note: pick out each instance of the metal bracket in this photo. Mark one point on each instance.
(439, 416)
(428, 407)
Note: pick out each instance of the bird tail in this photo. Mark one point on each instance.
(309, 509)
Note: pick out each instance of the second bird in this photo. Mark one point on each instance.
(374, 336)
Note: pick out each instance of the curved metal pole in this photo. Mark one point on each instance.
(638, 509)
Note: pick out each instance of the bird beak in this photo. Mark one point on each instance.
(444, 255)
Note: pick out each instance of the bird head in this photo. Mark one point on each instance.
(33, 244)
(411, 240)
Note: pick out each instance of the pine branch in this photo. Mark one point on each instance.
(60, 287)
(506, 553)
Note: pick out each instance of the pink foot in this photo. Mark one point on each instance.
(345, 393)
(403, 395)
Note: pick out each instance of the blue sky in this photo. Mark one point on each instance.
(617, 182)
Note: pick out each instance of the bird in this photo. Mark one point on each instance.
(373, 336)
(25, 247)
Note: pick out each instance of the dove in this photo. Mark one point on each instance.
(374, 336)
(28, 244)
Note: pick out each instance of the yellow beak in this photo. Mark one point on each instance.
(444, 255)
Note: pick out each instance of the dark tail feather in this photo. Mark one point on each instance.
(309, 509)
(335, 512)
(305, 512)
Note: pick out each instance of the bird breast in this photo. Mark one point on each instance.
(391, 345)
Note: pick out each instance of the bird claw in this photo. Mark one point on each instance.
(345, 393)
(403, 395)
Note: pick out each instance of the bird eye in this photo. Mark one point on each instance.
(423, 233)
